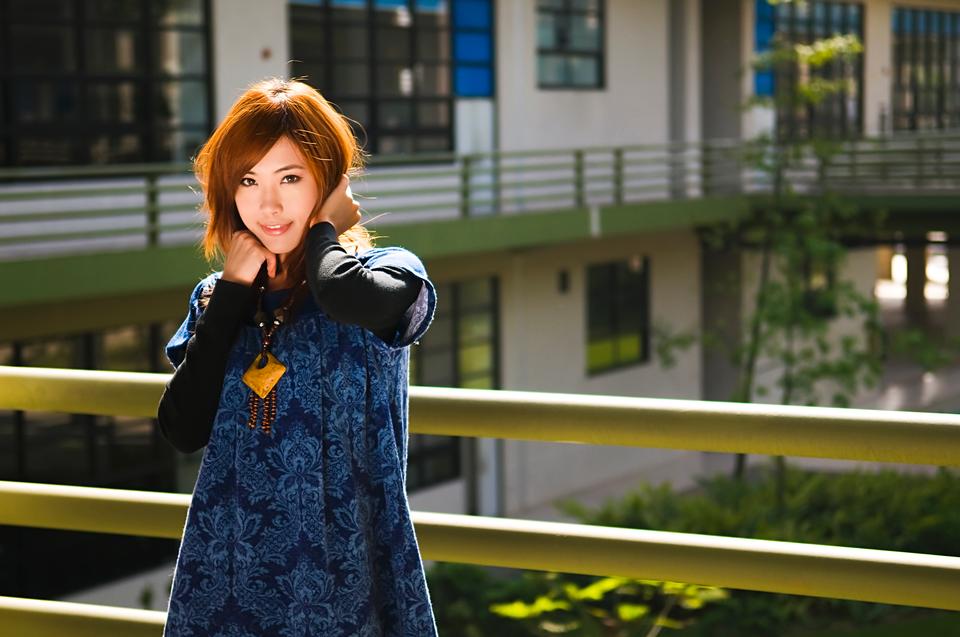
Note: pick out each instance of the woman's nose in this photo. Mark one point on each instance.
(270, 200)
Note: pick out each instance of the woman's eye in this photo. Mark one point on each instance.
(293, 179)
(247, 181)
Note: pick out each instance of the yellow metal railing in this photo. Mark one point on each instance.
(816, 432)
(804, 569)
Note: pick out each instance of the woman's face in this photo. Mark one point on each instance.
(275, 197)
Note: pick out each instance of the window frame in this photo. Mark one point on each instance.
(372, 133)
(147, 79)
(786, 118)
(914, 48)
(455, 311)
(615, 329)
(600, 54)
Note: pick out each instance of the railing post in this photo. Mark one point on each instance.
(618, 176)
(581, 200)
(497, 190)
(920, 162)
(884, 172)
(939, 161)
(854, 172)
(705, 175)
(153, 212)
(676, 159)
(465, 177)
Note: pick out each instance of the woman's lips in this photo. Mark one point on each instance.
(273, 231)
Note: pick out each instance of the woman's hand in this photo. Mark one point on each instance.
(245, 255)
(340, 208)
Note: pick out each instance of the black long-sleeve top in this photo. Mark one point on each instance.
(374, 298)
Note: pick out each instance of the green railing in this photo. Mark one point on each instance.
(63, 209)
(827, 571)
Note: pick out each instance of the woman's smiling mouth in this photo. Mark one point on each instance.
(275, 230)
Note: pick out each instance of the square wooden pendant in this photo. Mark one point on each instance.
(262, 379)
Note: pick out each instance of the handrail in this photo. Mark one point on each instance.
(42, 618)
(828, 571)
(507, 182)
(819, 432)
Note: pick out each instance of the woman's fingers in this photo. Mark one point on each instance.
(271, 264)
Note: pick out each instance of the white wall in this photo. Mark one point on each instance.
(630, 109)
(250, 43)
(543, 348)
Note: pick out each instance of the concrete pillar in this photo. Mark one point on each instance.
(684, 87)
(916, 303)
(724, 39)
(877, 66)
(721, 318)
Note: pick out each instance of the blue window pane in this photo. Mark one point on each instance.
(390, 4)
(473, 82)
(471, 14)
(764, 35)
(763, 83)
(764, 26)
(897, 20)
(764, 10)
(349, 3)
(471, 47)
(921, 22)
(907, 21)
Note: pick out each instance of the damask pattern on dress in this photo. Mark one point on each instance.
(305, 531)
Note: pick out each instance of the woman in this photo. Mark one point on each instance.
(291, 369)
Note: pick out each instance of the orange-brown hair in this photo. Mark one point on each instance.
(267, 111)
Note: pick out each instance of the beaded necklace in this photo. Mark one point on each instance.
(265, 370)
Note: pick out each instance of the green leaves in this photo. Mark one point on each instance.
(885, 510)
(609, 606)
(539, 606)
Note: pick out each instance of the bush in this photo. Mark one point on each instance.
(461, 595)
(884, 510)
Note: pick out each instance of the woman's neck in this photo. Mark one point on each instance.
(281, 280)
(277, 283)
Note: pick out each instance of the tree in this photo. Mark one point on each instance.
(796, 233)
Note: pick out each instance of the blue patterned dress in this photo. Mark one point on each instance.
(306, 531)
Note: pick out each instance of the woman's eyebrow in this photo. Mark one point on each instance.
(278, 170)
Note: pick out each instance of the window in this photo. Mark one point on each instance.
(459, 350)
(840, 114)
(618, 310)
(570, 42)
(926, 62)
(473, 48)
(385, 63)
(103, 82)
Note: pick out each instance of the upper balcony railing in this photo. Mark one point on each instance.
(73, 210)
(827, 571)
